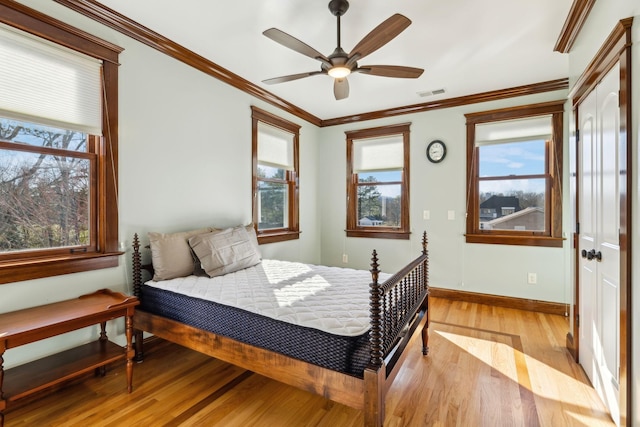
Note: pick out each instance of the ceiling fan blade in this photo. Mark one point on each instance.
(379, 36)
(293, 43)
(290, 77)
(391, 71)
(341, 88)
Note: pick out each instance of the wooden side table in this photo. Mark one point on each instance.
(32, 324)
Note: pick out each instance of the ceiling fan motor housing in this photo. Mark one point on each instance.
(338, 7)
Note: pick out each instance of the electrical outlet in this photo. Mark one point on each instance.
(345, 258)
(532, 278)
(451, 215)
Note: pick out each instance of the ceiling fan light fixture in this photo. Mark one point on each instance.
(340, 63)
(339, 72)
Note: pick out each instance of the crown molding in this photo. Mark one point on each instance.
(573, 24)
(112, 19)
(548, 86)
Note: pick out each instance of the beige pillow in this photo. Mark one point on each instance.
(253, 237)
(225, 251)
(171, 255)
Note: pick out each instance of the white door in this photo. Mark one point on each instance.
(599, 121)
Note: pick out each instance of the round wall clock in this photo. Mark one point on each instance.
(436, 150)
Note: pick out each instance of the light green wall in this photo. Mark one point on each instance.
(439, 188)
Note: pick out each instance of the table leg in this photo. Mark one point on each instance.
(102, 370)
(129, 350)
(3, 403)
(103, 331)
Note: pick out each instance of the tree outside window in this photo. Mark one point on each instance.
(45, 192)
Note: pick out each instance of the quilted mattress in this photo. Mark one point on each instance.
(313, 313)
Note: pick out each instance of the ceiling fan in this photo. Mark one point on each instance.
(340, 63)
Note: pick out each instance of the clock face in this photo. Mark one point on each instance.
(436, 151)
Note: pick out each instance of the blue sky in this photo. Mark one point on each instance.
(513, 158)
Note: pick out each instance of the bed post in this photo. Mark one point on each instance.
(137, 283)
(425, 272)
(375, 373)
(137, 275)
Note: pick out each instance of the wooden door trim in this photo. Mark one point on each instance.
(617, 48)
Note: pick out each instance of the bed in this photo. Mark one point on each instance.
(349, 354)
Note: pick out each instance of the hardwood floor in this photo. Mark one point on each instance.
(487, 366)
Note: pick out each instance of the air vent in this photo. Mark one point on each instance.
(431, 92)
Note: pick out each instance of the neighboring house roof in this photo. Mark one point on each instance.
(498, 202)
(515, 215)
(531, 219)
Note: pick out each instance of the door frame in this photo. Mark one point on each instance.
(617, 48)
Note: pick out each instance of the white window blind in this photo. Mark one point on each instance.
(275, 147)
(45, 83)
(378, 154)
(513, 130)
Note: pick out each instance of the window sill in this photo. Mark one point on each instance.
(38, 268)
(383, 234)
(501, 239)
(280, 236)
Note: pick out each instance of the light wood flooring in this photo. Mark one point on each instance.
(487, 366)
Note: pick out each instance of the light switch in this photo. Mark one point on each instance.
(426, 215)
(451, 215)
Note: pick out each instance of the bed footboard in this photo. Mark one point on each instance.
(395, 304)
(398, 307)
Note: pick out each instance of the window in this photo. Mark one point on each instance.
(378, 182)
(275, 177)
(58, 152)
(514, 175)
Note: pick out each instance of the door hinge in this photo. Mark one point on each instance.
(577, 228)
(577, 135)
(578, 320)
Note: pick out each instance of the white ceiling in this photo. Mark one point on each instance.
(465, 46)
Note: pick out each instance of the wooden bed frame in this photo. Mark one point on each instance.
(399, 308)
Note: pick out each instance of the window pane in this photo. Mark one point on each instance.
(44, 201)
(512, 158)
(516, 204)
(379, 205)
(41, 135)
(387, 176)
(271, 172)
(272, 205)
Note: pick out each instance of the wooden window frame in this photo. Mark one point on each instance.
(292, 178)
(552, 236)
(104, 250)
(353, 228)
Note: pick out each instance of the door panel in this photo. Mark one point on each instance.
(599, 218)
(588, 296)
